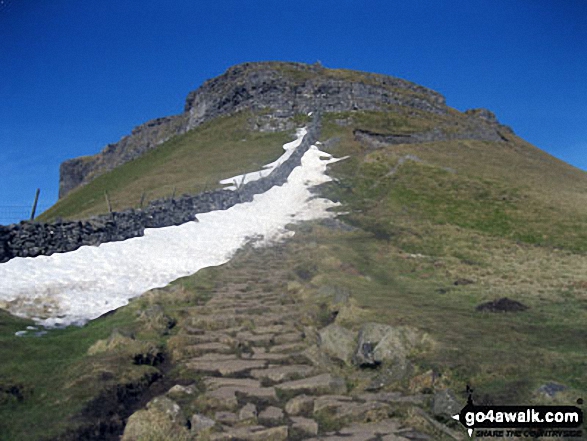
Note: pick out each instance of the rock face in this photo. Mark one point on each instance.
(290, 88)
(276, 91)
(143, 138)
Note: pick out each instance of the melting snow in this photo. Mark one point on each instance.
(72, 288)
(289, 148)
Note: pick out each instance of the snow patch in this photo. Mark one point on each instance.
(72, 288)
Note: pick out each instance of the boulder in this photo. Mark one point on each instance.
(161, 419)
(370, 335)
(338, 342)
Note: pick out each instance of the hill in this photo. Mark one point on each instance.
(442, 212)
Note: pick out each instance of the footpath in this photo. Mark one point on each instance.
(259, 375)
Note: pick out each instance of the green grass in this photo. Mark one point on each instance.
(56, 377)
(188, 163)
(506, 216)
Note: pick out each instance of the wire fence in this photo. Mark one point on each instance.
(12, 214)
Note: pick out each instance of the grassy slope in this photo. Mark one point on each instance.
(508, 217)
(189, 163)
(57, 377)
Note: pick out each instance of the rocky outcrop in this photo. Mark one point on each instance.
(291, 88)
(276, 91)
(31, 239)
(143, 138)
(479, 125)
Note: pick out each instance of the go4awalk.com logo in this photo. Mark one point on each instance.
(521, 421)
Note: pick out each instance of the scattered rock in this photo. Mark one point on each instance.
(502, 305)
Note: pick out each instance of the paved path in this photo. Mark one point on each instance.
(249, 348)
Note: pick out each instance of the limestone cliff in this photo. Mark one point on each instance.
(275, 92)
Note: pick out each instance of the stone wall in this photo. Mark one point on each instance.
(31, 239)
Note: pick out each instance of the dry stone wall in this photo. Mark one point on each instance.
(31, 239)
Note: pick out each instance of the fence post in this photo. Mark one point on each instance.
(142, 200)
(108, 201)
(35, 203)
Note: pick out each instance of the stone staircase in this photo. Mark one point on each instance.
(250, 352)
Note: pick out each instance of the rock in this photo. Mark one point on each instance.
(338, 342)
(300, 405)
(225, 368)
(423, 382)
(228, 418)
(370, 335)
(390, 373)
(445, 404)
(502, 305)
(271, 416)
(248, 413)
(380, 428)
(281, 373)
(252, 433)
(201, 423)
(162, 417)
(320, 384)
(346, 410)
(228, 397)
(551, 389)
(302, 427)
(217, 382)
(178, 390)
(291, 337)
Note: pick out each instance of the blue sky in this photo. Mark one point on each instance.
(77, 75)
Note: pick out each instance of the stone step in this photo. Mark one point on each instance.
(288, 348)
(253, 433)
(291, 337)
(278, 374)
(228, 397)
(212, 383)
(318, 385)
(205, 348)
(225, 368)
(255, 339)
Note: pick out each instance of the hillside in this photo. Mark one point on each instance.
(441, 211)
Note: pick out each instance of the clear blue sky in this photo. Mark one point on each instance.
(77, 75)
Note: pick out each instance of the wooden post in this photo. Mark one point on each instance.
(35, 204)
(142, 200)
(108, 201)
